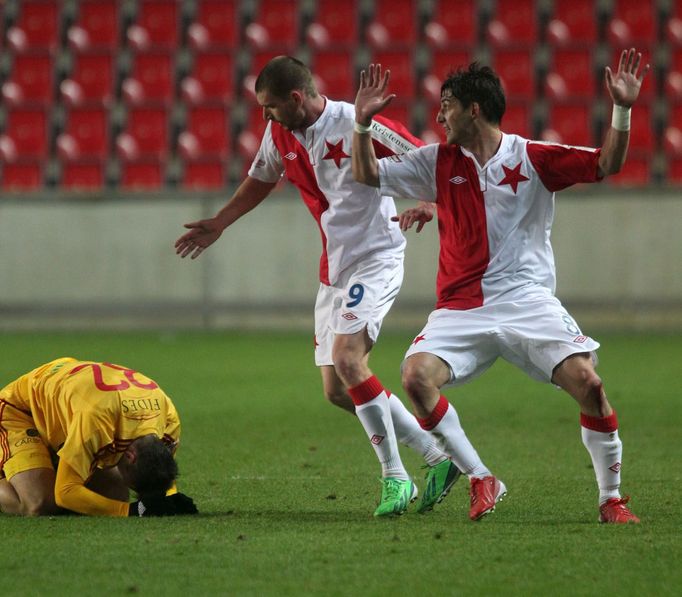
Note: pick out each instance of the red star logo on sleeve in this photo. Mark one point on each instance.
(335, 152)
(512, 177)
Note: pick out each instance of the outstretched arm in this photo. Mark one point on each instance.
(419, 215)
(370, 100)
(203, 233)
(623, 87)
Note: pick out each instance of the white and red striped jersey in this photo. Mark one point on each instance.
(494, 220)
(354, 219)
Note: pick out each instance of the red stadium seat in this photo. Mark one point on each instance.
(211, 78)
(641, 128)
(145, 134)
(673, 25)
(146, 174)
(92, 79)
(334, 73)
(86, 174)
(31, 79)
(152, 78)
(37, 27)
(86, 134)
(275, 26)
(400, 63)
(216, 25)
(98, 25)
(635, 172)
(672, 135)
(334, 25)
(514, 23)
(673, 78)
(517, 119)
(571, 74)
(443, 62)
(633, 23)
(24, 175)
(206, 132)
(516, 70)
(204, 174)
(250, 137)
(574, 23)
(453, 24)
(570, 123)
(394, 25)
(156, 26)
(674, 174)
(26, 134)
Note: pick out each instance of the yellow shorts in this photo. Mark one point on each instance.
(21, 447)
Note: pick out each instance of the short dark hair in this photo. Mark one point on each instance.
(154, 469)
(478, 84)
(284, 74)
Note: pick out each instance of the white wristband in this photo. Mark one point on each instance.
(620, 119)
(361, 128)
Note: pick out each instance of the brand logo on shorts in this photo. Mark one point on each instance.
(579, 339)
(615, 468)
(349, 316)
(458, 180)
(290, 156)
(418, 339)
(377, 439)
(32, 432)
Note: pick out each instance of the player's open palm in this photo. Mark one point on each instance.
(371, 98)
(202, 234)
(625, 83)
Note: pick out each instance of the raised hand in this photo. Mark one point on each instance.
(625, 83)
(202, 234)
(371, 97)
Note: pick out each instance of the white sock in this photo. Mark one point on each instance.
(444, 423)
(375, 417)
(600, 437)
(373, 411)
(409, 433)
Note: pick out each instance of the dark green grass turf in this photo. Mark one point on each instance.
(287, 484)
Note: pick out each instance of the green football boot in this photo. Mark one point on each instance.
(439, 480)
(396, 495)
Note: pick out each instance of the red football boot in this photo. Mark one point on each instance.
(615, 511)
(485, 493)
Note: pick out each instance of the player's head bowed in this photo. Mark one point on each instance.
(148, 466)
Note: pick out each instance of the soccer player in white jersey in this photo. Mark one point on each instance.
(496, 277)
(308, 138)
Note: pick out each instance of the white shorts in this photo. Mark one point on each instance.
(535, 334)
(360, 298)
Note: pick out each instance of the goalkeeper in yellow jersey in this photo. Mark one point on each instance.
(79, 435)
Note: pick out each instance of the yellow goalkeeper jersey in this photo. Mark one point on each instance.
(90, 412)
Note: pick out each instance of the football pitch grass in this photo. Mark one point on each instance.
(286, 484)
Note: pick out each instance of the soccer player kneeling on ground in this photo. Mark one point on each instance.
(79, 435)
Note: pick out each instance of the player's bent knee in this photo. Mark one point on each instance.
(415, 378)
(340, 399)
(39, 507)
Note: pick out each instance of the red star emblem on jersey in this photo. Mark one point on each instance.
(418, 339)
(335, 152)
(513, 176)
